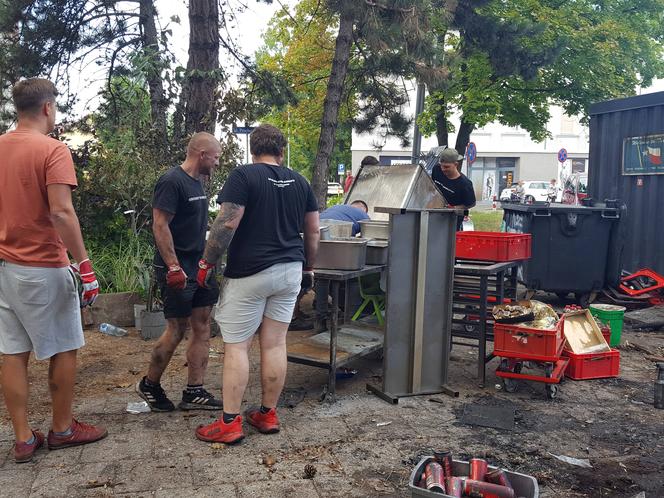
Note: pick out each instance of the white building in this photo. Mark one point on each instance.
(504, 155)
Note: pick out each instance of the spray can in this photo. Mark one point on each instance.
(434, 477)
(659, 387)
(498, 476)
(454, 486)
(478, 489)
(478, 469)
(444, 458)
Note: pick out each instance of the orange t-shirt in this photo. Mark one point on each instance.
(29, 162)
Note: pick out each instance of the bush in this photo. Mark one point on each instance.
(125, 266)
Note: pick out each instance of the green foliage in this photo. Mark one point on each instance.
(508, 61)
(124, 266)
(486, 221)
(333, 200)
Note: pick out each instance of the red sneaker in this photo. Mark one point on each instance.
(219, 432)
(80, 434)
(267, 423)
(23, 451)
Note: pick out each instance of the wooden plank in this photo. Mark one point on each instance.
(582, 333)
(351, 343)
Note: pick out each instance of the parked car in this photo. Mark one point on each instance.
(507, 192)
(536, 190)
(334, 188)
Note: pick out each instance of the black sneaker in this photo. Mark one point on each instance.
(199, 399)
(155, 397)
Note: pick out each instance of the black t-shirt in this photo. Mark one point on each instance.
(181, 195)
(457, 192)
(275, 200)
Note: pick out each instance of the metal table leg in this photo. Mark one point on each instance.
(334, 327)
(481, 371)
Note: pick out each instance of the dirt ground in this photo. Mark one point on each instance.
(358, 446)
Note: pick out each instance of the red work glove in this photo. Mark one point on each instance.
(89, 281)
(176, 278)
(205, 274)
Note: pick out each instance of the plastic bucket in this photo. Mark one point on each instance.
(613, 315)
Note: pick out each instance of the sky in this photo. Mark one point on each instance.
(251, 20)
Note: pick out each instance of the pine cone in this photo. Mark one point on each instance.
(309, 471)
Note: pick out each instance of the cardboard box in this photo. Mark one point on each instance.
(582, 333)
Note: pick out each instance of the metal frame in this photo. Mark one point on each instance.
(485, 280)
(335, 277)
(419, 302)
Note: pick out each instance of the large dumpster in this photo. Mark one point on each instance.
(570, 247)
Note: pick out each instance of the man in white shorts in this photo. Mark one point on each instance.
(264, 208)
(39, 302)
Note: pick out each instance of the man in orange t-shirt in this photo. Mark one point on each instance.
(39, 301)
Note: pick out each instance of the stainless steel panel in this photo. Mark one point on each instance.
(419, 275)
(338, 228)
(377, 252)
(375, 229)
(342, 254)
(398, 186)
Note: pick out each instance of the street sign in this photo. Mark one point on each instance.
(471, 153)
(562, 155)
(341, 168)
(243, 130)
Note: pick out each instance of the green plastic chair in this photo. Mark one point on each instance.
(371, 293)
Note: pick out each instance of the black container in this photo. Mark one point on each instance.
(570, 246)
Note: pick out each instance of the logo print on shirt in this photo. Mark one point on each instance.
(443, 186)
(197, 198)
(281, 183)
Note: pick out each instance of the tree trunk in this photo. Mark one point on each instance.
(335, 88)
(200, 106)
(441, 123)
(155, 83)
(463, 137)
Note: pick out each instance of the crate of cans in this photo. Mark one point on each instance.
(441, 476)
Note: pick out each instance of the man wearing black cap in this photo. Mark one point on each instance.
(455, 186)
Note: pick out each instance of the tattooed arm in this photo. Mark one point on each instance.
(222, 231)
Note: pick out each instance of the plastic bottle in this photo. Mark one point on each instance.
(108, 329)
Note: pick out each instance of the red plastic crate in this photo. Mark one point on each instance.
(517, 341)
(493, 246)
(593, 365)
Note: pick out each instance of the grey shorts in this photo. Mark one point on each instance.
(244, 302)
(39, 310)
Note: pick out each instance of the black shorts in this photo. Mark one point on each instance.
(179, 303)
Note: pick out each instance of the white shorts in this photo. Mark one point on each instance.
(244, 302)
(39, 310)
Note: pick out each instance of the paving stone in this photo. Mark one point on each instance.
(18, 485)
(129, 444)
(307, 430)
(151, 474)
(223, 491)
(73, 481)
(279, 489)
(144, 494)
(66, 456)
(230, 466)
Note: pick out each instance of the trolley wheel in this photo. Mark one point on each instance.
(469, 328)
(551, 391)
(510, 385)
